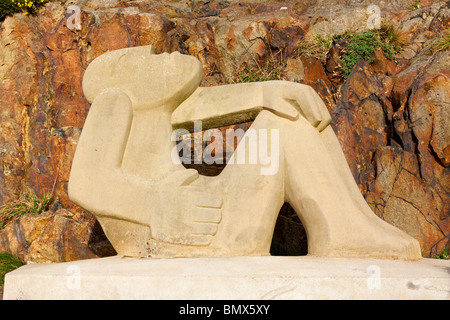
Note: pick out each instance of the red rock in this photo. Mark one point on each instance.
(400, 197)
(294, 70)
(359, 122)
(380, 117)
(333, 63)
(430, 113)
(53, 237)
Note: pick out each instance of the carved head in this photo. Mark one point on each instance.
(149, 79)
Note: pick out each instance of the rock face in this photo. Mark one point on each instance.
(412, 174)
(55, 236)
(392, 118)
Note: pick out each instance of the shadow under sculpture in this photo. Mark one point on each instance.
(150, 206)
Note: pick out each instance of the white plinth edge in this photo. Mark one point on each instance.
(236, 278)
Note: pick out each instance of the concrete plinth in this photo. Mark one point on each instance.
(231, 278)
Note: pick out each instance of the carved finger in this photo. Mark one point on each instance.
(277, 99)
(285, 108)
(207, 215)
(308, 108)
(182, 177)
(205, 229)
(324, 114)
(207, 200)
(201, 239)
(312, 107)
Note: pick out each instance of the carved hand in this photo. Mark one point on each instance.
(186, 215)
(241, 102)
(288, 98)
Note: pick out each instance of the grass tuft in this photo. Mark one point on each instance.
(316, 47)
(269, 69)
(8, 262)
(441, 44)
(28, 203)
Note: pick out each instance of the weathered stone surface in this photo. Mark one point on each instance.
(415, 199)
(359, 121)
(225, 278)
(385, 104)
(401, 197)
(333, 62)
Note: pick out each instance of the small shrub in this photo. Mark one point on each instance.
(10, 7)
(363, 45)
(8, 263)
(28, 203)
(445, 254)
(360, 46)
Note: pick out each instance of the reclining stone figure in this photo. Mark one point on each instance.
(123, 171)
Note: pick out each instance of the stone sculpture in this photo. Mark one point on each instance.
(148, 205)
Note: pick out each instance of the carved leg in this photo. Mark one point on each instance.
(321, 189)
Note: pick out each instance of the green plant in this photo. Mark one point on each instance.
(390, 36)
(445, 254)
(414, 4)
(28, 203)
(317, 47)
(363, 45)
(10, 7)
(441, 44)
(8, 262)
(270, 69)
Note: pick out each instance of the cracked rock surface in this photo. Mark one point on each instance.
(391, 117)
